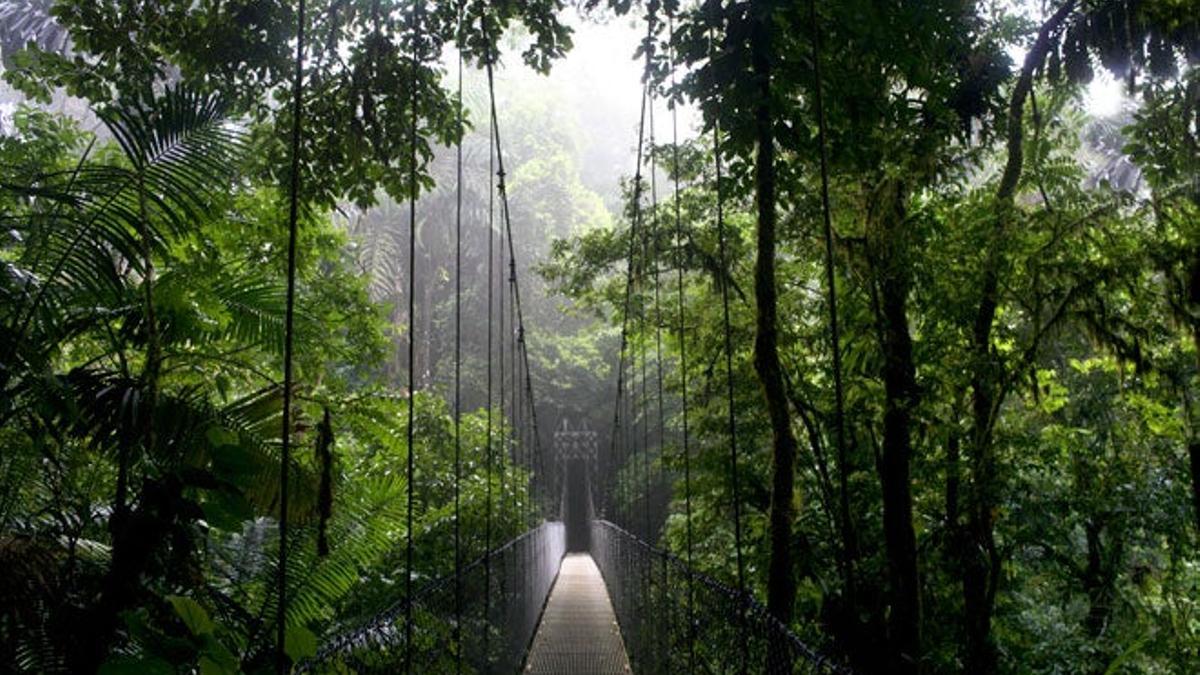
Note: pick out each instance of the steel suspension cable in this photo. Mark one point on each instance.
(285, 456)
(831, 292)
(630, 430)
(506, 217)
(618, 429)
(645, 399)
(726, 268)
(535, 444)
(683, 362)
(728, 334)
(518, 407)
(654, 250)
(639, 355)
(505, 428)
(458, 204)
(505, 502)
(641, 460)
(487, 462)
(631, 274)
(514, 415)
(517, 319)
(410, 467)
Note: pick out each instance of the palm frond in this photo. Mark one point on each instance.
(182, 154)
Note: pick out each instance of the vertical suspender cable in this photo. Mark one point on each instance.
(653, 252)
(520, 490)
(538, 465)
(285, 459)
(645, 400)
(733, 447)
(683, 362)
(504, 426)
(616, 439)
(518, 451)
(458, 204)
(505, 501)
(514, 416)
(515, 313)
(516, 316)
(641, 414)
(633, 229)
(654, 255)
(648, 264)
(831, 291)
(726, 267)
(487, 462)
(628, 433)
(412, 366)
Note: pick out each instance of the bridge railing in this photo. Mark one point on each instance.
(498, 617)
(676, 620)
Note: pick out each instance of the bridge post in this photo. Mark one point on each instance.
(575, 453)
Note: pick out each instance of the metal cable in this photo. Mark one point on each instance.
(458, 199)
(513, 390)
(487, 509)
(412, 324)
(735, 493)
(505, 428)
(654, 250)
(831, 290)
(726, 647)
(620, 430)
(683, 362)
(506, 216)
(516, 314)
(645, 398)
(374, 645)
(285, 458)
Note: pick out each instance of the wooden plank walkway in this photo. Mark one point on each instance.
(578, 634)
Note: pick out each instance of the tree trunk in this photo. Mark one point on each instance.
(781, 584)
(891, 275)
(1194, 457)
(1194, 442)
(144, 533)
(1097, 581)
(978, 560)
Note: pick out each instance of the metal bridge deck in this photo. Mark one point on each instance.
(578, 634)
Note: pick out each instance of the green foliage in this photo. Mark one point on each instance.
(1033, 271)
(1079, 489)
(361, 85)
(192, 579)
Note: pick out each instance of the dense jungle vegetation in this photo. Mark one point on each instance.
(999, 471)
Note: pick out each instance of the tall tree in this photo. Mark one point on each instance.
(781, 585)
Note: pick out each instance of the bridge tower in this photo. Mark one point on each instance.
(575, 453)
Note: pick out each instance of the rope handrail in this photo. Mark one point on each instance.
(380, 630)
(750, 608)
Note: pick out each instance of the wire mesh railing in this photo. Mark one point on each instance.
(676, 620)
(503, 594)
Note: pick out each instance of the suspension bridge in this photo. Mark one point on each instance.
(575, 594)
(584, 590)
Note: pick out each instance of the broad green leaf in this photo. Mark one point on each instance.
(299, 643)
(226, 510)
(192, 614)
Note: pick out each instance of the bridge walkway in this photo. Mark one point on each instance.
(578, 633)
